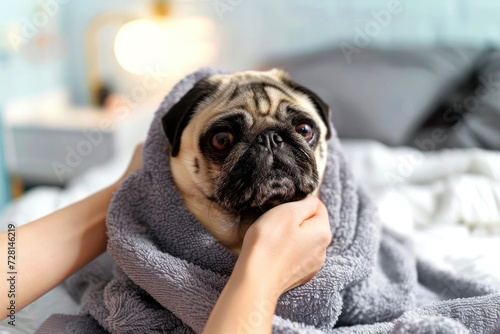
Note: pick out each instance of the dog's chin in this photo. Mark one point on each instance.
(266, 195)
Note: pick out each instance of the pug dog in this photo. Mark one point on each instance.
(241, 144)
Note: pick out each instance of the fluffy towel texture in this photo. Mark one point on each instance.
(170, 271)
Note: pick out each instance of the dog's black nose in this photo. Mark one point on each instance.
(270, 139)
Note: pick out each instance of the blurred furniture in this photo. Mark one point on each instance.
(396, 95)
(4, 184)
(50, 142)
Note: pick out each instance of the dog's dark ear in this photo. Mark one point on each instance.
(322, 108)
(177, 118)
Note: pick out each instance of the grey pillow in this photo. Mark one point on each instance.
(480, 126)
(381, 94)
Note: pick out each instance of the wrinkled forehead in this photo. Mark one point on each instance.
(264, 96)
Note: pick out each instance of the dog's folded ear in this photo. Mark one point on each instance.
(322, 108)
(177, 118)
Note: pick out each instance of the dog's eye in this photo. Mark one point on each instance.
(222, 141)
(305, 130)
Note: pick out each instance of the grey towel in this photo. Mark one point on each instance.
(170, 270)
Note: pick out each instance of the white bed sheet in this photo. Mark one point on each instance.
(448, 203)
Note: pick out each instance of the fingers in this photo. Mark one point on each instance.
(134, 164)
(292, 239)
(138, 152)
(300, 210)
(318, 225)
(136, 161)
(320, 214)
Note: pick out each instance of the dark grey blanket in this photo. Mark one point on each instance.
(170, 270)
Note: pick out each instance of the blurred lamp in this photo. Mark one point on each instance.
(165, 45)
(159, 43)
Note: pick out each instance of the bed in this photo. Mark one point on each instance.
(447, 202)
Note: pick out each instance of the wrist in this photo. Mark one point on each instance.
(114, 187)
(253, 294)
(248, 295)
(254, 270)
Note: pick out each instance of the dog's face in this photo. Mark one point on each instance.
(243, 143)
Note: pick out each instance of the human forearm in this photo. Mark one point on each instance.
(72, 237)
(247, 303)
(50, 249)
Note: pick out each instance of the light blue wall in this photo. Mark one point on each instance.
(257, 29)
(23, 71)
(251, 31)
(4, 188)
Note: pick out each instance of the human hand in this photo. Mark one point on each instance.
(135, 164)
(287, 245)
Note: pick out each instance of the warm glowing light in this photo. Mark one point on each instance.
(165, 45)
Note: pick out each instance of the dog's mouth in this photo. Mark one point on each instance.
(266, 192)
(274, 190)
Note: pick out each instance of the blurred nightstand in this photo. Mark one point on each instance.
(50, 142)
